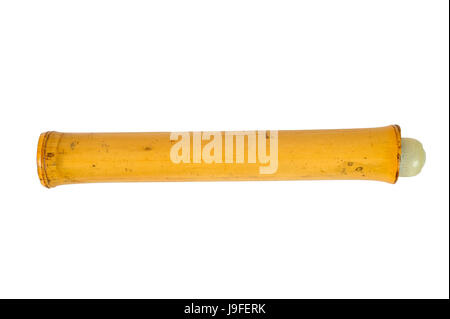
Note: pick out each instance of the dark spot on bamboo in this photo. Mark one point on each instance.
(148, 148)
(93, 165)
(350, 163)
(359, 169)
(50, 155)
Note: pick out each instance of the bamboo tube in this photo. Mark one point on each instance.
(357, 154)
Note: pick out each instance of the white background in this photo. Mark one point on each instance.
(93, 66)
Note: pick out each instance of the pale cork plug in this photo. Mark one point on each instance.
(412, 157)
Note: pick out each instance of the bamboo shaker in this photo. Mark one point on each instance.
(378, 154)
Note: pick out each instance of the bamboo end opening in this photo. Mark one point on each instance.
(40, 159)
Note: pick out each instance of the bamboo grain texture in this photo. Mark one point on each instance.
(347, 154)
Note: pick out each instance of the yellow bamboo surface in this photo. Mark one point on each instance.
(359, 154)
